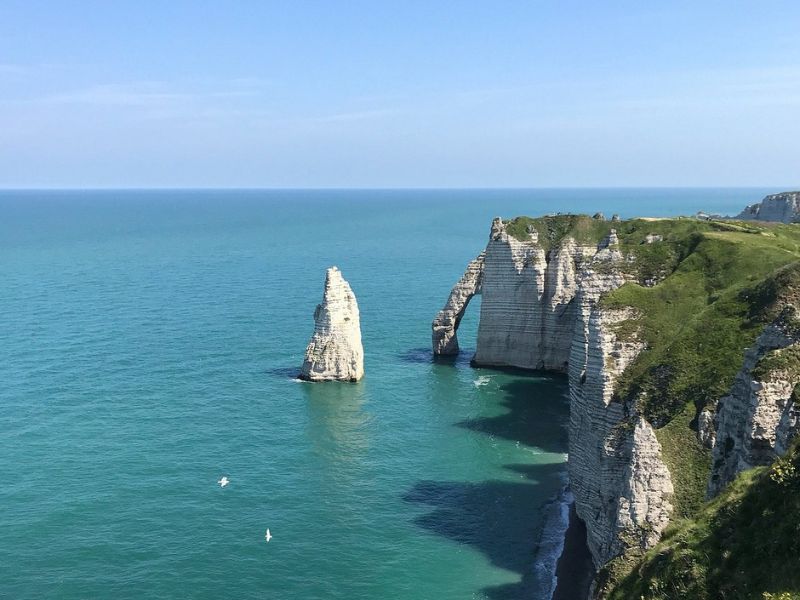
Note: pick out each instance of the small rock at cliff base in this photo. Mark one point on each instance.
(335, 352)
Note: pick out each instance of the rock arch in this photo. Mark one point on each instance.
(445, 324)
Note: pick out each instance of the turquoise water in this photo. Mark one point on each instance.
(148, 346)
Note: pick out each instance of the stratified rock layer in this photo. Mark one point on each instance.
(541, 310)
(783, 208)
(756, 421)
(621, 485)
(335, 352)
(445, 325)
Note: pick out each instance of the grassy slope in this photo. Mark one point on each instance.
(721, 282)
(745, 544)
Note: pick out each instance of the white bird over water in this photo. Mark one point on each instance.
(268, 536)
(223, 482)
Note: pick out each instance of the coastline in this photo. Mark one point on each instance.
(575, 569)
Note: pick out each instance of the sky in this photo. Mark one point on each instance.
(399, 94)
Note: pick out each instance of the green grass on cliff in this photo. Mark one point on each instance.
(719, 284)
(553, 229)
(743, 545)
(697, 324)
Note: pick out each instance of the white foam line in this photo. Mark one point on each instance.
(551, 542)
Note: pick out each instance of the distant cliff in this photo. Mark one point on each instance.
(651, 320)
(781, 208)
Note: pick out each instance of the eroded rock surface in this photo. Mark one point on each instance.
(445, 325)
(541, 310)
(335, 352)
(783, 208)
(621, 485)
(756, 421)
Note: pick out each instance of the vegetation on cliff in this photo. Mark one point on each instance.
(745, 544)
(702, 293)
(697, 323)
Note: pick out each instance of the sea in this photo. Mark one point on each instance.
(150, 343)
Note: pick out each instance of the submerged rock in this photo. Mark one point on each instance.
(335, 352)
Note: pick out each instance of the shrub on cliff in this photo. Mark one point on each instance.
(743, 545)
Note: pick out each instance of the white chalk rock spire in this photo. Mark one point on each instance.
(335, 352)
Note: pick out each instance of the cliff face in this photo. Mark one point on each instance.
(755, 423)
(650, 325)
(445, 325)
(335, 352)
(527, 310)
(540, 310)
(620, 483)
(783, 208)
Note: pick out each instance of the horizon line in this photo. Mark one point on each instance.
(378, 188)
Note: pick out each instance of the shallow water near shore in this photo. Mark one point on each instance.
(150, 342)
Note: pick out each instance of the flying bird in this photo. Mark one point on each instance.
(268, 536)
(223, 482)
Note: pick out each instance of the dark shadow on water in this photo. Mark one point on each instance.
(498, 517)
(425, 356)
(492, 516)
(575, 568)
(417, 355)
(536, 404)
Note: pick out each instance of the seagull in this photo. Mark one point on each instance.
(223, 482)
(268, 536)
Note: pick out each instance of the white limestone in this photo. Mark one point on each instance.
(621, 485)
(511, 301)
(335, 352)
(652, 238)
(542, 310)
(783, 207)
(527, 308)
(445, 325)
(756, 421)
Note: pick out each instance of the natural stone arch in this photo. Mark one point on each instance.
(445, 324)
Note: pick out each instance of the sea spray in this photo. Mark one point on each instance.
(551, 542)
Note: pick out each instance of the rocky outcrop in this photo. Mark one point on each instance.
(652, 238)
(783, 208)
(527, 309)
(509, 330)
(621, 485)
(335, 352)
(559, 312)
(542, 310)
(445, 325)
(756, 421)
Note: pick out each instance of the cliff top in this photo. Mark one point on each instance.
(702, 291)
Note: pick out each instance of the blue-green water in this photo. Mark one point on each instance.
(148, 342)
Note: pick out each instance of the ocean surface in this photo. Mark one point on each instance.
(149, 342)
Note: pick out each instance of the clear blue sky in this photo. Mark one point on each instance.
(399, 94)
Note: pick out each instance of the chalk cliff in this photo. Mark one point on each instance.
(445, 325)
(783, 208)
(649, 318)
(335, 351)
(621, 485)
(540, 309)
(527, 314)
(755, 423)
